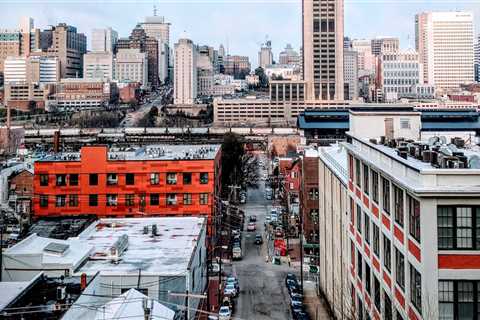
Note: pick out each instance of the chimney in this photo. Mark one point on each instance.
(56, 141)
(83, 281)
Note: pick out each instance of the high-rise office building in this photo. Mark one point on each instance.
(323, 49)
(236, 66)
(366, 59)
(265, 55)
(350, 72)
(185, 78)
(477, 59)
(131, 65)
(98, 65)
(157, 28)
(384, 45)
(289, 56)
(444, 41)
(104, 40)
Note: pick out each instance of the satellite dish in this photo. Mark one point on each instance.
(474, 162)
(432, 141)
(443, 139)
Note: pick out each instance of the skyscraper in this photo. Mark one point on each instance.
(384, 45)
(185, 78)
(351, 74)
(444, 41)
(104, 40)
(323, 49)
(265, 55)
(477, 60)
(289, 56)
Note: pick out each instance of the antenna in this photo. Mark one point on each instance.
(154, 10)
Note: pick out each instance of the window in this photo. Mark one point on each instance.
(112, 200)
(446, 300)
(73, 179)
(465, 300)
(398, 204)
(359, 264)
(386, 195)
(366, 227)
(93, 179)
(203, 177)
(357, 172)
(404, 123)
(203, 198)
(171, 199)
(387, 253)
(154, 178)
(464, 230)
(416, 288)
(73, 200)
(388, 312)
(458, 227)
(368, 285)
(399, 315)
(93, 200)
(400, 268)
(130, 179)
(43, 201)
(459, 299)
(376, 292)
(365, 179)
(60, 200)
(187, 198)
(187, 178)
(313, 194)
(374, 186)
(130, 200)
(350, 166)
(171, 178)
(376, 239)
(44, 180)
(112, 179)
(413, 217)
(359, 218)
(61, 180)
(154, 199)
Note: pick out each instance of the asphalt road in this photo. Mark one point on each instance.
(132, 118)
(263, 294)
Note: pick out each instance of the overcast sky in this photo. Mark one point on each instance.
(240, 24)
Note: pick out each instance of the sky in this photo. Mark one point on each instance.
(241, 25)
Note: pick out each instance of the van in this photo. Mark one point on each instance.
(237, 253)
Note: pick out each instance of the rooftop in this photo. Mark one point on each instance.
(335, 156)
(167, 253)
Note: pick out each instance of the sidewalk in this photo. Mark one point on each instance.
(314, 304)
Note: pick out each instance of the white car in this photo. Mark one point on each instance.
(230, 290)
(214, 268)
(224, 313)
(251, 226)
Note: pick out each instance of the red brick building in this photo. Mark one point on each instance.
(173, 180)
(309, 199)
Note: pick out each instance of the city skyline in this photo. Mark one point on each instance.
(241, 26)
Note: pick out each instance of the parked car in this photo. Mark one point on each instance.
(224, 313)
(237, 253)
(234, 281)
(214, 268)
(252, 218)
(230, 290)
(298, 313)
(251, 226)
(296, 301)
(278, 232)
(258, 239)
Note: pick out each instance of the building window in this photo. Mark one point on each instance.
(350, 166)
(404, 123)
(368, 284)
(130, 200)
(398, 204)
(203, 177)
(171, 178)
(413, 217)
(359, 265)
(376, 239)
(43, 201)
(154, 199)
(416, 288)
(366, 184)
(154, 178)
(203, 198)
(60, 200)
(386, 195)
(388, 312)
(44, 180)
(376, 292)
(459, 299)
(187, 178)
(171, 199)
(366, 227)
(399, 315)
(400, 268)
(359, 219)
(93, 179)
(387, 253)
(73, 179)
(446, 300)
(313, 194)
(112, 179)
(458, 227)
(130, 179)
(187, 198)
(112, 200)
(61, 180)
(375, 186)
(357, 172)
(73, 200)
(93, 200)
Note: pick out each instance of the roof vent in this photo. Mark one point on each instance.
(56, 248)
(118, 248)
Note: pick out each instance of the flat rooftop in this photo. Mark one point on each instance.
(151, 152)
(168, 253)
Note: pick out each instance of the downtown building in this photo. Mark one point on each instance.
(98, 65)
(185, 83)
(444, 41)
(383, 45)
(265, 55)
(350, 73)
(477, 60)
(131, 65)
(289, 56)
(323, 49)
(104, 40)
(398, 222)
(237, 66)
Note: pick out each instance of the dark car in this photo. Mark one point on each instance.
(252, 218)
(258, 239)
(296, 301)
(301, 315)
(292, 277)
